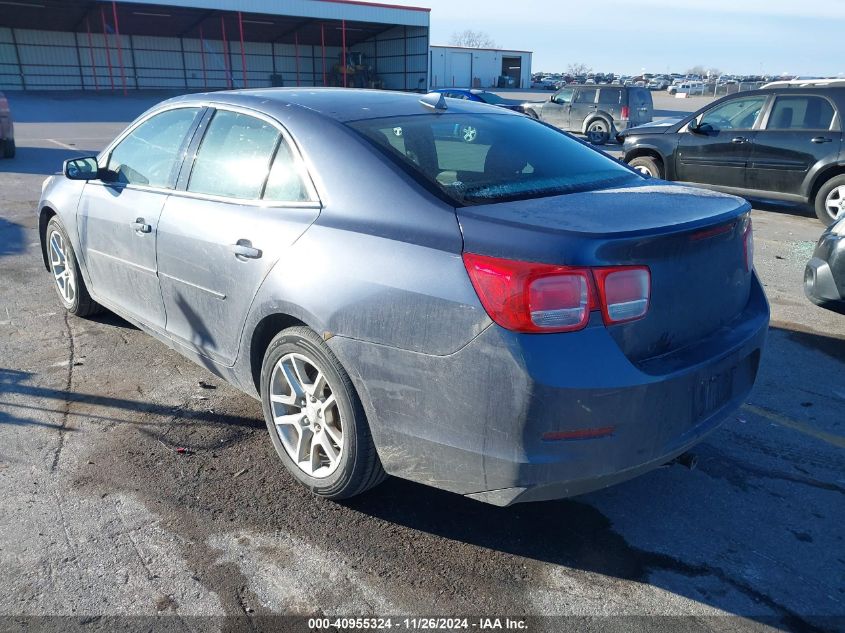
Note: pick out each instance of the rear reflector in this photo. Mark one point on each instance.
(578, 434)
(624, 293)
(626, 111)
(532, 297)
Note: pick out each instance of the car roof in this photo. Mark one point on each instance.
(340, 104)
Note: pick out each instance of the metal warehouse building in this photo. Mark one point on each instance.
(198, 44)
(455, 67)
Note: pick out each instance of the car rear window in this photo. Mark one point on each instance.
(485, 158)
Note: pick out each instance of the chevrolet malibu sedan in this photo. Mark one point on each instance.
(515, 319)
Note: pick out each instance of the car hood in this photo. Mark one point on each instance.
(660, 126)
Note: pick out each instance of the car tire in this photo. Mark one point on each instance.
(647, 165)
(68, 281)
(598, 131)
(298, 355)
(9, 148)
(831, 195)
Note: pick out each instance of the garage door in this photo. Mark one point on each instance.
(460, 70)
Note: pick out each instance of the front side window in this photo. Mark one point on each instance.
(801, 113)
(736, 114)
(509, 158)
(234, 157)
(148, 155)
(564, 96)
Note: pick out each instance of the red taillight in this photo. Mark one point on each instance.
(748, 243)
(626, 111)
(531, 297)
(624, 292)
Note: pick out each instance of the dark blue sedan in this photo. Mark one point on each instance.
(514, 319)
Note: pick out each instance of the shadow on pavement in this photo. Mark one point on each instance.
(11, 238)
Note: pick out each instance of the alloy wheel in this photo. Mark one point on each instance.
(306, 415)
(469, 134)
(835, 202)
(62, 270)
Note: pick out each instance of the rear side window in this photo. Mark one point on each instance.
(148, 155)
(586, 96)
(610, 96)
(801, 113)
(234, 157)
(286, 182)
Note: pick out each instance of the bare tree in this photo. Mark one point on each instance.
(577, 69)
(697, 70)
(473, 39)
(714, 73)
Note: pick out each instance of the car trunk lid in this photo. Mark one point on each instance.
(691, 240)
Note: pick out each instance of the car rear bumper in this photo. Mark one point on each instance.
(476, 422)
(826, 266)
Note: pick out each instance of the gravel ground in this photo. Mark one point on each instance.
(102, 517)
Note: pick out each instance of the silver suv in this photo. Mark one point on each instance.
(599, 112)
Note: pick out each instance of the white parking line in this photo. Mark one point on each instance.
(60, 144)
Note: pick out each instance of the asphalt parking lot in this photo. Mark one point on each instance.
(134, 483)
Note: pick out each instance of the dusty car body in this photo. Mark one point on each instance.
(517, 321)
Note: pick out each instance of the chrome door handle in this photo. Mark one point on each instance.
(244, 250)
(141, 226)
(821, 139)
(739, 140)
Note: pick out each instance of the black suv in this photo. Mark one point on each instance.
(600, 112)
(780, 143)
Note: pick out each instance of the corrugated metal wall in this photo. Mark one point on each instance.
(50, 60)
(485, 68)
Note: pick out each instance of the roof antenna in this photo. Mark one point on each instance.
(436, 101)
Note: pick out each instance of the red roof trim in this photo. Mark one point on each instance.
(379, 5)
(473, 48)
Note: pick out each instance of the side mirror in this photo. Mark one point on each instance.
(81, 168)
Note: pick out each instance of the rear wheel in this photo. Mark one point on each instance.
(647, 165)
(830, 200)
(68, 280)
(469, 134)
(598, 132)
(9, 148)
(315, 419)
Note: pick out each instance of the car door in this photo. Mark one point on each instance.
(118, 216)
(583, 106)
(800, 132)
(556, 111)
(245, 198)
(718, 150)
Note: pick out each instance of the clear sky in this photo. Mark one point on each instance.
(800, 37)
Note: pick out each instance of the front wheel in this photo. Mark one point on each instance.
(647, 166)
(830, 200)
(598, 132)
(315, 418)
(69, 283)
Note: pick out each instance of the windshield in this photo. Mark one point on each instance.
(489, 97)
(484, 158)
